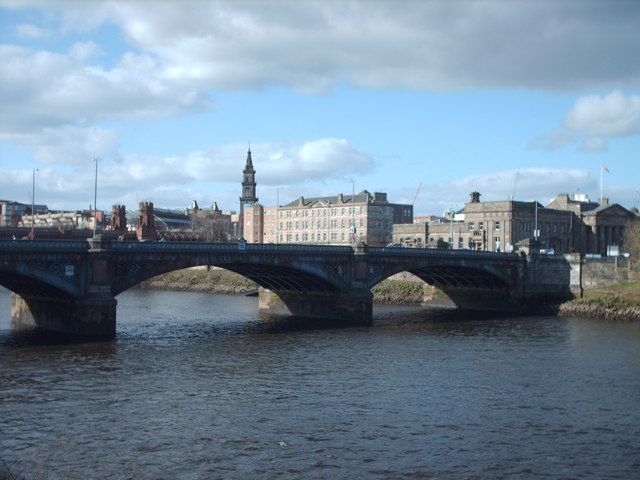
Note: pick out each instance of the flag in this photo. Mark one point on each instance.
(604, 168)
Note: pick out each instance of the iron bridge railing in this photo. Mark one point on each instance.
(80, 246)
(77, 246)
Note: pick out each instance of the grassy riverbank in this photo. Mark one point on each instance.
(620, 301)
(215, 280)
(223, 281)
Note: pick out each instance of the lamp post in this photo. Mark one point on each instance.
(95, 199)
(451, 214)
(536, 233)
(33, 200)
(353, 209)
(278, 213)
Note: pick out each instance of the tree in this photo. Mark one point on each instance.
(632, 238)
(212, 230)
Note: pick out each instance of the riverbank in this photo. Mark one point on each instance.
(614, 302)
(217, 280)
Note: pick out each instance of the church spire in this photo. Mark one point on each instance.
(249, 164)
(248, 197)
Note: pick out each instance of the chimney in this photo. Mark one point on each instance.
(475, 197)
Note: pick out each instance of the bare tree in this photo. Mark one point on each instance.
(209, 229)
(632, 238)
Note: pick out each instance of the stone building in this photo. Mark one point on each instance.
(340, 219)
(598, 226)
(411, 234)
(567, 225)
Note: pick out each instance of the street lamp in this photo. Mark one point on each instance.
(33, 200)
(536, 233)
(95, 199)
(278, 213)
(353, 209)
(451, 217)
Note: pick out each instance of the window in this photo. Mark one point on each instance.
(481, 225)
(497, 225)
(471, 226)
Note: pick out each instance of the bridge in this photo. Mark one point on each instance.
(71, 286)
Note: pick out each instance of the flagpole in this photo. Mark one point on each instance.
(601, 182)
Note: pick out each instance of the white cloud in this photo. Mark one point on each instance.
(201, 175)
(594, 120)
(69, 144)
(27, 30)
(45, 89)
(529, 184)
(313, 45)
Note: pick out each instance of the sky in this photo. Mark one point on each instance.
(424, 100)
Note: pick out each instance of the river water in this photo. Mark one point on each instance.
(199, 386)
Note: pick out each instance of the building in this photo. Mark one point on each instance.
(567, 225)
(340, 219)
(599, 227)
(13, 214)
(411, 234)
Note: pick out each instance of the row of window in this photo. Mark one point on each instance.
(472, 226)
(526, 226)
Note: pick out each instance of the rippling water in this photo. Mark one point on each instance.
(199, 386)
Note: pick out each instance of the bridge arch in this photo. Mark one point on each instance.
(476, 287)
(301, 278)
(37, 284)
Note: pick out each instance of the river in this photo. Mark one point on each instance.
(199, 386)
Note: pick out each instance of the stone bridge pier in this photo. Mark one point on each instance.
(93, 316)
(353, 307)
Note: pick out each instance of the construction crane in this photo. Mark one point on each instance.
(416, 195)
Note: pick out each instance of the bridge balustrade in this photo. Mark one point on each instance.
(441, 252)
(45, 245)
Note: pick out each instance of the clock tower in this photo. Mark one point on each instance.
(248, 197)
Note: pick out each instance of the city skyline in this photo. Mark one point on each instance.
(523, 100)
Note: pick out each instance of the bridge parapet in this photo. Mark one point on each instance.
(44, 245)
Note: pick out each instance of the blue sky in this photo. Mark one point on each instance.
(456, 96)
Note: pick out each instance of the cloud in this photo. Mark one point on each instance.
(69, 144)
(313, 45)
(530, 184)
(27, 30)
(594, 120)
(201, 175)
(42, 89)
